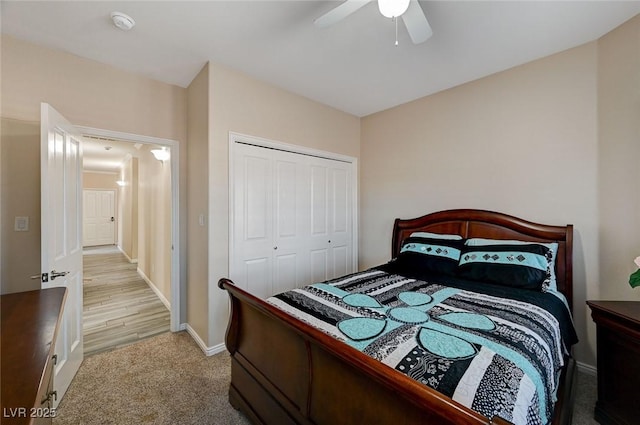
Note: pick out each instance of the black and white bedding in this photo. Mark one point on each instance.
(493, 348)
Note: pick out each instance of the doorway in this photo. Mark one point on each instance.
(126, 242)
(160, 207)
(61, 178)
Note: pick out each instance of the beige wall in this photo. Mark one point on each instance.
(87, 92)
(96, 180)
(145, 217)
(128, 209)
(238, 103)
(554, 141)
(20, 193)
(523, 142)
(618, 156)
(91, 94)
(198, 203)
(154, 221)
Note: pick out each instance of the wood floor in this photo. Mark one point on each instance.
(119, 307)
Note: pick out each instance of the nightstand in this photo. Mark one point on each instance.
(618, 333)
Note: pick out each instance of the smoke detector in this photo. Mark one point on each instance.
(122, 21)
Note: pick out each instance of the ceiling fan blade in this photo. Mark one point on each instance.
(340, 12)
(416, 23)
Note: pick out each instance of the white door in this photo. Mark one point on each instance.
(319, 223)
(270, 253)
(290, 212)
(98, 217)
(61, 238)
(253, 225)
(330, 219)
(292, 217)
(340, 223)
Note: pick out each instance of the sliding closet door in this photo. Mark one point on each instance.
(330, 219)
(290, 209)
(340, 223)
(253, 222)
(292, 219)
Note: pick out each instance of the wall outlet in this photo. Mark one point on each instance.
(21, 224)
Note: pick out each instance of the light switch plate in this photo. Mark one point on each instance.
(21, 224)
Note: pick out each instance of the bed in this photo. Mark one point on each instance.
(286, 370)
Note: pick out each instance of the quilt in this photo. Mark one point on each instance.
(496, 355)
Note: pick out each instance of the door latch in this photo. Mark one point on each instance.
(55, 274)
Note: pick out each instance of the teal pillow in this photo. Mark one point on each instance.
(550, 283)
(420, 254)
(515, 265)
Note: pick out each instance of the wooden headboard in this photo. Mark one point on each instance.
(470, 223)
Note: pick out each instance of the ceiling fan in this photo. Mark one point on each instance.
(409, 10)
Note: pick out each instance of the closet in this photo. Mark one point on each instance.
(292, 218)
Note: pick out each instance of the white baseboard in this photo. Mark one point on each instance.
(587, 369)
(153, 287)
(208, 351)
(129, 259)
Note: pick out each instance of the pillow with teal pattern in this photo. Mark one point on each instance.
(550, 283)
(430, 254)
(515, 265)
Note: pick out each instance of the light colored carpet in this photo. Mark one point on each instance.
(168, 380)
(162, 380)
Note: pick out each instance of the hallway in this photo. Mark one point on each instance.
(119, 307)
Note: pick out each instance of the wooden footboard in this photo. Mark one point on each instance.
(286, 372)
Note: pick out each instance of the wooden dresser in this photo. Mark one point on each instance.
(29, 324)
(618, 333)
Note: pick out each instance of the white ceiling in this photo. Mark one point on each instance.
(104, 155)
(107, 155)
(352, 66)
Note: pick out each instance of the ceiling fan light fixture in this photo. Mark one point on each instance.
(393, 8)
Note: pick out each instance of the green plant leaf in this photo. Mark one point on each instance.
(634, 279)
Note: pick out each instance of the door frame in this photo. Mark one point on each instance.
(301, 150)
(177, 296)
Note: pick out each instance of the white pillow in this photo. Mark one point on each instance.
(436, 236)
(553, 246)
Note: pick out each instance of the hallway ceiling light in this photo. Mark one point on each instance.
(161, 154)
